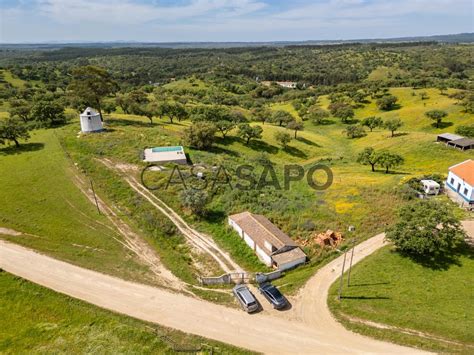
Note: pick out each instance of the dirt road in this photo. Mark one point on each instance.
(312, 330)
(131, 240)
(199, 241)
(310, 304)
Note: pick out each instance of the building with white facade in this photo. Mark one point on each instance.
(461, 180)
(90, 121)
(272, 246)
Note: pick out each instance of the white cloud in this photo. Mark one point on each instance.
(230, 20)
(357, 9)
(127, 12)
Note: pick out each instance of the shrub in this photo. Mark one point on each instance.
(200, 135)
(354, 131)
(466, 131)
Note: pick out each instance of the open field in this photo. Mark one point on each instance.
(40, 200)
(35, 319)
(392, 290)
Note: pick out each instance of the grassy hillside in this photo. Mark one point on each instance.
(36, 320)
(387, 288)
(40, 199)
(357, 195)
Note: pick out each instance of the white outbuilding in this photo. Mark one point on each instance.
(430, 187)
(272, 246)
(90, 121)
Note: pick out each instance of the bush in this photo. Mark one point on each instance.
(283, 138)
(466, 131)
(195, 200)
(354, 131)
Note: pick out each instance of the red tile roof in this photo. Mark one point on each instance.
(465, 171)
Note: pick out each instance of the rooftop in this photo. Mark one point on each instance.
(465, 171)
(164, 154)
(288, 256)
(260, 229)
(90, 112)
(450, 136)
(463, 142)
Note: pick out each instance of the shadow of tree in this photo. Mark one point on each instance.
(366, 297)
(444, 260)
(263, 147)
(227, 140)
(220, 150)
(393, 108)
(295, 152)
(25, 147)
(307, 141)
(215, 216)
(325, 122)
(370, 284)
(123, 122)
(399, 134)
(352, 121)
(442, 125)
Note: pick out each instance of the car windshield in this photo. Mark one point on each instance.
(273, 291)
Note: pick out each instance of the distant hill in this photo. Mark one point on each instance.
(450, 38)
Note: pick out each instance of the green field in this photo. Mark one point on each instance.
(357, 196)
(389, 289)
(40, 199)
(36, 320)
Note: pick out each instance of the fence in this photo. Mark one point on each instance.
(240, 277)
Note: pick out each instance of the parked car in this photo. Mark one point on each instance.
(273, 295)
(246, 299)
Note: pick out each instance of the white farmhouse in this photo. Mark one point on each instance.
(272, 246)
(91, 121)
(461, 180)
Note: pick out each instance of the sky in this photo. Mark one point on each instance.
(228, 20)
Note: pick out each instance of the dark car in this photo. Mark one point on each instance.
(273, 295)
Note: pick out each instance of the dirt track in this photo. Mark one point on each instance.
(131, 240)
(199, 241)
(311, 329)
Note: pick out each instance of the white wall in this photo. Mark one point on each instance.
(263, 256)
(249, 241)
(269, 246)
(91, 123)
(463, 189)
(291, 264)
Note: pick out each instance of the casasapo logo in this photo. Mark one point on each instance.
(243, 177)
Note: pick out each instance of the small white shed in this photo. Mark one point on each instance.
(430, 187)
(90, 121)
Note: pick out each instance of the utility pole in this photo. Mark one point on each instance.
(351, 229)
(350, 264)
(342, 276)
(95, 197)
